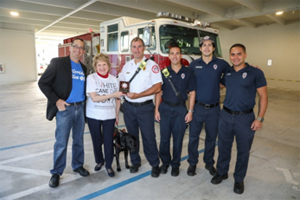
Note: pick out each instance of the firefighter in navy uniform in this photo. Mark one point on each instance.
(208, 71)
(237, 118)
(138, 107)
(172, 113)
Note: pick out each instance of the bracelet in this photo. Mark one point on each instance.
(191, 111)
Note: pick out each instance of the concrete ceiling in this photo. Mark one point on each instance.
(67, 18)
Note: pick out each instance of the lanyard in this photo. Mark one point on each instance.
(167, 75)
(141, 66)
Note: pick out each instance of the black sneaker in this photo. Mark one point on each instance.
(164, 169)
(191, 170)
(175, 171)
(134, 168)
(155, 172)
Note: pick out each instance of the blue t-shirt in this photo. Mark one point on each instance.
(241, 87)
(184, 82)
(208, 79)
(78, 80)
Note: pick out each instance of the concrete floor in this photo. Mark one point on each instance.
(26, 149)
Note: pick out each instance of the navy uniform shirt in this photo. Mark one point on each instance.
(241, 87)
(208, 79)
(184, 81)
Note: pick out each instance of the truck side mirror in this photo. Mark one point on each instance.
(147, 36)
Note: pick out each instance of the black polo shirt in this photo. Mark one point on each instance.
(208, 79)
(241, 87)
(184, 82)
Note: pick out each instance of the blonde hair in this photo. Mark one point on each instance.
(102, 57)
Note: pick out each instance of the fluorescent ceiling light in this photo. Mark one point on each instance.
(14, 13)
(279, 13)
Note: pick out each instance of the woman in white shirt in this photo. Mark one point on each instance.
(102, 106)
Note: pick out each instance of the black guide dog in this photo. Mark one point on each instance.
(123, 141)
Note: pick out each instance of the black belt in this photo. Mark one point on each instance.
(76, 103)
(237, 112)
(139, 104)
(208, 106)
(171, 104)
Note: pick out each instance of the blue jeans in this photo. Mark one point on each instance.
(171, 123)
(71, 118)
(211, 119)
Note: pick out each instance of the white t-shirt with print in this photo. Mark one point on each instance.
(144, 80)
(106, 109)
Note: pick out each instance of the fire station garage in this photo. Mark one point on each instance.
(32, 32)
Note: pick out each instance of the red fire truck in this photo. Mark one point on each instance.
(92, 47)
(158, 34)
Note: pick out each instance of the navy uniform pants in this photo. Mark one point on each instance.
(172, 123)
(209, 116)
(142, 118)
(240, 127)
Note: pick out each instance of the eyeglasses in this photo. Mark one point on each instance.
(77, 47)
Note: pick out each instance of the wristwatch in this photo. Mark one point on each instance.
(261, 119)
(191, 111)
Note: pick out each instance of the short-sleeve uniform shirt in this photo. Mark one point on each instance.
(183, 81)
(241, 87)
(208, 79)
(144, 80)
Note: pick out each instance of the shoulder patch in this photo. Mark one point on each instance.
(155, 69)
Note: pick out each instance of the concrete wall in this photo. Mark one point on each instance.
(281, 43)
(17, 53)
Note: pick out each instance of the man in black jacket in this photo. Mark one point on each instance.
(63, 83)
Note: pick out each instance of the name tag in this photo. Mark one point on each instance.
(228, 74)
(199, 67)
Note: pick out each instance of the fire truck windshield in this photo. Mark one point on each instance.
(187, 38)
